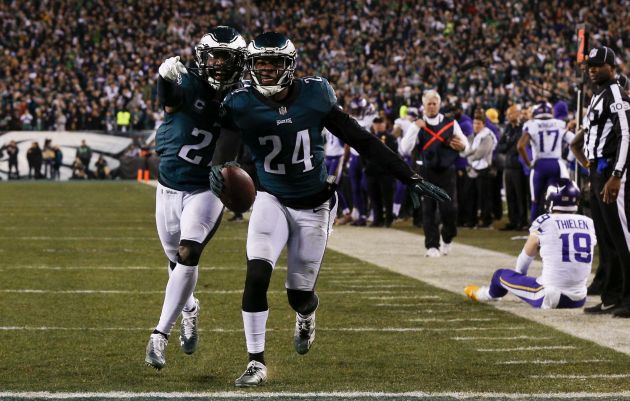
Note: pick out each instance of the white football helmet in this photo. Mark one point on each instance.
(220, 57)
(271, 60)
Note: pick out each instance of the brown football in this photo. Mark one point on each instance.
(239, 192)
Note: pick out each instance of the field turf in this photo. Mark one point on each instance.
(83, 275)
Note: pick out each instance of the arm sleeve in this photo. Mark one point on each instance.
(348, 130)
(169, 93)
(457, 131)
(621, 119)
(409, 139)
(485, 146)
(227, 147)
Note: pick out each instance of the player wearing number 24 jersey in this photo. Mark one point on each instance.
(187, 213)
(281, 121)
(566, 240)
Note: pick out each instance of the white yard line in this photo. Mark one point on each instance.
(574, 377)
(221, 330)
(552, 362)
(307, 396)
(515, 338)
(403, 252)
(532, 348)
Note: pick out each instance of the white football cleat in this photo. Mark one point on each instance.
(433, 253)
(254, 375)
(188, 336)
(445, 249)
(304, 333)
(156, 350)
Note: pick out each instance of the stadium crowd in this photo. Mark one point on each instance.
(83, 65)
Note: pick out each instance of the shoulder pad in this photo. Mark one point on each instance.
(321, 84)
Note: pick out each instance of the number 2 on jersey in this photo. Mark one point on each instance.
(302, 146)
(581, 244)
(186, 149)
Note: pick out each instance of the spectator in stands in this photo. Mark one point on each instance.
(493, 52)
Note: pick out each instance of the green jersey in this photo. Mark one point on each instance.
(186, 139)
(285, 139)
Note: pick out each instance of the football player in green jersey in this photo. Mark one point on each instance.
(189, 142)
(281, 120)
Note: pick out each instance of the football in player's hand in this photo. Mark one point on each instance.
(239, 191)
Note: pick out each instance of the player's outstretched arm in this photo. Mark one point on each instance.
(170, 94)
(348, 130)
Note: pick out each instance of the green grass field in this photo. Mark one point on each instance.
(82, 279)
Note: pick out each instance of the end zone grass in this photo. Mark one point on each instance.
(82, 280)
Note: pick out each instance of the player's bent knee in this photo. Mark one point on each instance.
(304, 302)
(189, 252)
(256, 285)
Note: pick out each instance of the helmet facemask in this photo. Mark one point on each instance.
(271, 73)
(221, 67)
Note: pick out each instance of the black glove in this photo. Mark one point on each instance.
(217, 184)
(420, 187)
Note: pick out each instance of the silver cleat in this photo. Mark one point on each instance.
(254, 375)
(304, 333)
(156, 350)
(188, 336)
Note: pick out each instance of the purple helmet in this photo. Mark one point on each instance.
(543, 110)
(563, 197)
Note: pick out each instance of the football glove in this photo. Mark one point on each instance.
(217, 184)
(172, 69)
(420, 187)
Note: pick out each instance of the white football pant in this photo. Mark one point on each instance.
(183, 215)
(304, 231)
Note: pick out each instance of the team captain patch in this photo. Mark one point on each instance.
(619, 106)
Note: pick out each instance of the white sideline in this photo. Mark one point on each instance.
(306, 396)
(403, 252)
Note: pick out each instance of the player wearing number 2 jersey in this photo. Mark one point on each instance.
(189, 141)
(566, 242)
(546, 135)
(281, 121)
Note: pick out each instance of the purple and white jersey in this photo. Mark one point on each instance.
(403, 123)
(332, 145)
(546, 137)
(566, 248)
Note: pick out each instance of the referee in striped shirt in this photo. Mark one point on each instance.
(605, 152)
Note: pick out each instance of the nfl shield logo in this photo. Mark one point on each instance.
(282, 110)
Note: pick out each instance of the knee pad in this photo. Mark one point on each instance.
(256, 285)
(303, 302)
(189, 252)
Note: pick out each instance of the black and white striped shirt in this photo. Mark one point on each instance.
(607, 120)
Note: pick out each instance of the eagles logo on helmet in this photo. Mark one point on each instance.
(220, 57)
(271, 60)
(563, 197)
